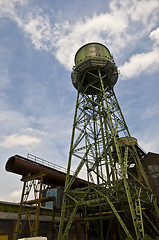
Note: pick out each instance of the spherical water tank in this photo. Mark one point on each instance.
(90, 51)
(89, 59)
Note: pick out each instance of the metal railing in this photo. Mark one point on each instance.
(47, 163)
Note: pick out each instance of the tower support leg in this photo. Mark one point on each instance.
(105, 152)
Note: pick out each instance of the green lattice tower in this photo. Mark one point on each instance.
(106, 154)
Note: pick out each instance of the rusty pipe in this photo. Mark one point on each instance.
(23, 166)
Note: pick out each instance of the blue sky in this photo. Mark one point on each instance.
(38, 41)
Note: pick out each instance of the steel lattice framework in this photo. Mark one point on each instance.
(31, 217)
(106, 152)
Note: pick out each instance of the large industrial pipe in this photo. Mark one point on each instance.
(23, 166)
(87, 219)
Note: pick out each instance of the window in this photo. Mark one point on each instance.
(154, 172)
(51, 192)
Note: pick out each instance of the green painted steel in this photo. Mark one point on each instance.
(87, 61)
(105, 152)
(92, 50)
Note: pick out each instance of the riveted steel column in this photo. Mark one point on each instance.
(130, 201)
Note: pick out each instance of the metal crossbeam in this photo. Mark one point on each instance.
(104, 148)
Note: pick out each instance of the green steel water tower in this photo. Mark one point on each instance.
(106, 155)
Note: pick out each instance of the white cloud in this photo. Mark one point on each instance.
(16, 130)
(138, 63)
(8, 7)
(141, 10)
(30, 20)
(116, 28)
(36, 135)
(4, 69)
(35, 131)
(39, 29)
(14, 121)
(15, 196)
(90, 30)
(154, 35)
(19, 140)
(12, 196)
(149, 141)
